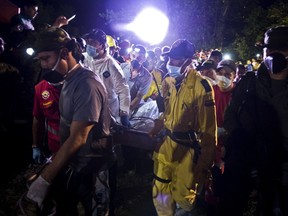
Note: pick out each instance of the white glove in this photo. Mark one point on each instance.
(38, 190)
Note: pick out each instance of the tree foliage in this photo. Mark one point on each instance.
(230, 25)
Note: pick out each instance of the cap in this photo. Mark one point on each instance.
(181, 48)
(275, 38)
(208, 64)
(51, 39)
(96, 34)
(228, 63)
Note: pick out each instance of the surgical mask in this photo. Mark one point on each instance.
(212, 81)
(276, 62)
(223, 82)
(174, 71)
(91, 51)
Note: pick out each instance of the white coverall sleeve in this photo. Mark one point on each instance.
(121, 86)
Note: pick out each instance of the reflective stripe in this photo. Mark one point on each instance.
(52, 130)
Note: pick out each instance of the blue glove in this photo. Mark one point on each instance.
(37, 155)
(125, 121)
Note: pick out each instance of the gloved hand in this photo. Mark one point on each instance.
(125, 121)
(37, 155)
(38, 190)
(220, 131)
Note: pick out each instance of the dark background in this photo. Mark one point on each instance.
(87, 11)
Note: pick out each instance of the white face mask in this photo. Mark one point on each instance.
(223, 82)
(213, 82)
(174, 71)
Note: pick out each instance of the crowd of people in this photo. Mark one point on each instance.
(222, 124)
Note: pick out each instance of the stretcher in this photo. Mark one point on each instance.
(142, 122)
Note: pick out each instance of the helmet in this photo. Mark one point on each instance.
(110, 41)
(51, 39)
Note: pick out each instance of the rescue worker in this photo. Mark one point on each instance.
(257, 124)
(98, 59)
(139, 84)
(216, 56)
(240, 72)
(157, 75)
(86, 147)
(226, 72)
(46, 116)
(208, 70)
(112, 47)
(124, 50)
(182, 160)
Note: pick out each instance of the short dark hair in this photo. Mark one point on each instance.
(96, 34)
(217, 54)
(151, 54)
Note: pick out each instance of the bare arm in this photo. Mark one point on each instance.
(78, 135)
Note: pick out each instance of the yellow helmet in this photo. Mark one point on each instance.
(110, 41)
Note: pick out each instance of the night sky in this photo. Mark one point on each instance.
(87, 10)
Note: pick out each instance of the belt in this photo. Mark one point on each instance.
(188, 139)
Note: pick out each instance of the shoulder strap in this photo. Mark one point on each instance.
(156, 84)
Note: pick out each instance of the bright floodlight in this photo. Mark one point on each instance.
(30, 51)
(150, 25)
(226, 56)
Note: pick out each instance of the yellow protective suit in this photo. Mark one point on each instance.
(178, 178)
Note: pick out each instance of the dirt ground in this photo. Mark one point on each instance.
(133, 195)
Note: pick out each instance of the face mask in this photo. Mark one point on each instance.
(174, 71)
(213, 82)
(223, 82)
(276, 62)
(53, 77)
(91, 51)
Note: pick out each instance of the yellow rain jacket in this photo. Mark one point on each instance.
(177, 178)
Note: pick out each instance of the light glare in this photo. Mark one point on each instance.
(150, 25)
